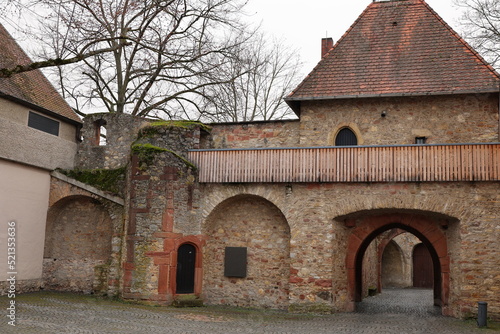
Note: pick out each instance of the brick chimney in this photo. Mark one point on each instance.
(326, 45)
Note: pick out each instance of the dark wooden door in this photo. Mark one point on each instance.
(423, 272)
(186, 257)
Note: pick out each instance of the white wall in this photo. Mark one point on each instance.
(24, 196)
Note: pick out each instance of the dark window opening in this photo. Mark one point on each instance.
(420, 140)
(186, 258)
(346, 137)
(235, 262)
(42, 123)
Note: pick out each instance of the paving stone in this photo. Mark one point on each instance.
(394, 311)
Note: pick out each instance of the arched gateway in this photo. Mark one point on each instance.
(427, 227)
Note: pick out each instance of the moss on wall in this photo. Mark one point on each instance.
(110, 180)
(146, 153)
(154, 127)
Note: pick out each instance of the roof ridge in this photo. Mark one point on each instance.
(331, 50)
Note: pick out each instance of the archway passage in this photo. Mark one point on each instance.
(423, 273)
(186, 259)
(425, 227)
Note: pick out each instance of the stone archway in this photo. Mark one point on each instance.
(256, 225)
(427, 228)
(78, 250)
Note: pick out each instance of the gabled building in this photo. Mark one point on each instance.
(38, 133)
(395, 151)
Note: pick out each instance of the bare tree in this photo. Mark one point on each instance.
(264, 74)
(161, 57)
(481, 23)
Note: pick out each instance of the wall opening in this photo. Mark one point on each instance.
(427, 229)
(186, 261)
(100, 133)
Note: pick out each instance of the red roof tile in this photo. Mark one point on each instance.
(31, 87)
(397, 48)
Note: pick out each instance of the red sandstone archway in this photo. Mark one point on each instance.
(427, 229)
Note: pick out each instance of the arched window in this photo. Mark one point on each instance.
(346, 137)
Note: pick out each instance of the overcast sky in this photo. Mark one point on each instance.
(303, 23)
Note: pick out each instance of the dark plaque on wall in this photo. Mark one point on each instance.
(235, 262)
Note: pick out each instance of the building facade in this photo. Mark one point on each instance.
(391, 169)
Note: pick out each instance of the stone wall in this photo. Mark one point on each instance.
(83, 239)
(252, 135)
(251, 222)
(396, 258)
(162, 199)
(168, 208)
(318, 243)
(371, 269)
(78, 239)
(442, 119)
(121, 131)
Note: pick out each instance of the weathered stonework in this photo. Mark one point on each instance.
(442, 119)
(316, 235)
(396, 259)
(254, 223)
(255, 134)
(83, 239)
(311, 246)
(161, 198)
(121, 130)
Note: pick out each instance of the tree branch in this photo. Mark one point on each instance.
(8, 72)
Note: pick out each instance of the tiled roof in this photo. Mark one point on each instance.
(397, 48)
(31, 87)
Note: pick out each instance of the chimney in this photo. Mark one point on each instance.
(326, 45)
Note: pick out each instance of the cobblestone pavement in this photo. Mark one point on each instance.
(393, 311)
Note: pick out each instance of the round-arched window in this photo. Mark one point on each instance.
(346, 137)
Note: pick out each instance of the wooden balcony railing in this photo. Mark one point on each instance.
(411, 163)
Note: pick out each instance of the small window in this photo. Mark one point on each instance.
(346, 137)
(100, 133)
(42, 123)
(420, 140)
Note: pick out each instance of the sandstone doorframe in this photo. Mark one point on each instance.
(171, 278)
(427, 229)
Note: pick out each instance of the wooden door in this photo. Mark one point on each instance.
(186, 258)
(423, 272)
